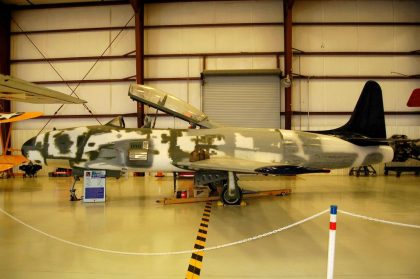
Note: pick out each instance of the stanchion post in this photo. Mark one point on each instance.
(331, 244)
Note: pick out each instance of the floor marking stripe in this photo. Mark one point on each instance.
(201, 238)
(196, 261)
(197, 257)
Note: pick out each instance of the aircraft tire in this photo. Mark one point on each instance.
(236, 201)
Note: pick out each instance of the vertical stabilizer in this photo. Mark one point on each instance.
(367, 119)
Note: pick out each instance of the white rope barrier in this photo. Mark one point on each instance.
(205, 249)
(162, 253)
(379, 220)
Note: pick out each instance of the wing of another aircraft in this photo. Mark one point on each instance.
(14, 89)
(246, 166)
(18, 116)
(165, 102)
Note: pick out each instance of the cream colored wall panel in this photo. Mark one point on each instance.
(194, 93)
(308, 38)
(193, 40)
(21, 47)
(376, 38)
(309, 65)
(233, 11)
(27, 107)
(340, 38)
(120, 14)
(340, 11)
(374, 65)
(264, 62)
(396, 94)
(166, 67)
(163, 41)
(76, 44)
(125, 43)
(266, 39)
(407, 65)
(119, 69)
(234, 39)
(78, 17)
(408, 10)
(230, 63)
(34, 72)
(77, 70)
(37, 124)
(119, 101)
(179, 13)
(368, 11)
(342, 95)
(213, 12)
(267, 11)
(407, 38)
(337, 66)
(238, 39)
(311, 11)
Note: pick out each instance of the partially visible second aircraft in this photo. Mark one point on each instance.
(22, 91)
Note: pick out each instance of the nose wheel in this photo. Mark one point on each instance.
(232, 193)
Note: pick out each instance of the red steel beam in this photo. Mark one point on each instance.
(216, 25)
(5, 17)
(222, 54)
(138, 7)
(69, 5)
(131, 80)
(295, 113)
(288, 52)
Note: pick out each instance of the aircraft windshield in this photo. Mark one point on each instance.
(165, 102)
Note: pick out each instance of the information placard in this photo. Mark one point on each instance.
(94, 186)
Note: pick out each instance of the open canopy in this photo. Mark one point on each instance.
(167, 103)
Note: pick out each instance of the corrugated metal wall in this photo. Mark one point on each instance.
(243, 101)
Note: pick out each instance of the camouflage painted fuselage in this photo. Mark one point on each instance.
(114, 148)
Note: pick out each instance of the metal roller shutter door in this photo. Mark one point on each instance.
(243, 101)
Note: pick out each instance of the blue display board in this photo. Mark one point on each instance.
(94, 186)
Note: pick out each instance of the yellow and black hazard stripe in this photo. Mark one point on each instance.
(196, 261)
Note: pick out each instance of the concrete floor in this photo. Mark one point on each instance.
(131, 221)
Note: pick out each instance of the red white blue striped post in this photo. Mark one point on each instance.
(331, 244)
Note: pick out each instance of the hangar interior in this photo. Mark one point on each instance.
(215, 55)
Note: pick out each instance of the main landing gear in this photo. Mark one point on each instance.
(73, 196)
(232, 193)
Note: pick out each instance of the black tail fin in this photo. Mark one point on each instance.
(367, 119)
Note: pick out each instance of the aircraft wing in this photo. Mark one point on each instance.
(18, 116)
(246, 166)
(165, 102)
(9, 161)
(14, 89)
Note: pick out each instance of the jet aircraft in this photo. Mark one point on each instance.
(216, 153)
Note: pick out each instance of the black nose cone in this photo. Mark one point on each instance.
(28, 146)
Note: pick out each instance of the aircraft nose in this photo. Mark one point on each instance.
(28, 146)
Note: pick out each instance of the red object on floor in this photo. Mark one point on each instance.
(414, 100)
(159, 174)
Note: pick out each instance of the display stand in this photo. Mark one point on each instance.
(94, 186)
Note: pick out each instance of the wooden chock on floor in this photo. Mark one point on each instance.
(281, 192)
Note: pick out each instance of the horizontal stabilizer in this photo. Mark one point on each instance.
(289, 170)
